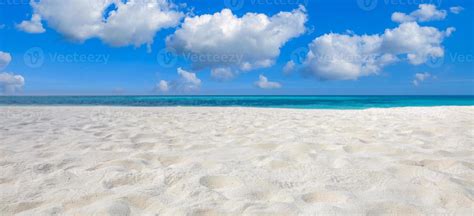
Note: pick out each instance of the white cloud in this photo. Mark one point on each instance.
(5, 59)
(11, 83)
(348, 57)
(132, 22)
(223, 40)
(264, 83)
(417, 42)
(425, 13)
(289, 67)
(421, 77)
(136, 22)
(163, 86)
(222, 74)
(456, 9)
(186, 82)
(78, 20)
(33, 26)
(449, 31)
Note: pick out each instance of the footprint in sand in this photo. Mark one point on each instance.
(278, 164)
(169, 160)
(43, 168)
(118, 208)
(219, 182)
(324, 197)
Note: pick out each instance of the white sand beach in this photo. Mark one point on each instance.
(236, 161)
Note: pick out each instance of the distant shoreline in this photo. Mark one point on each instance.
(295, 102)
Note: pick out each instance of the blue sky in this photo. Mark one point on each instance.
(111, 61)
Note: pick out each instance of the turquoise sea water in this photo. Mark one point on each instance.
(303, 102)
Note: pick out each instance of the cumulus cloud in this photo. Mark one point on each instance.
(11, 83)
(224, 40)
(289, 67)
(5, 59)
(186, 82)
(417, 42)
(421, 77)
(136, 22)
(425, 13)
(348, 57)
(222, 74)
(264, 83)
(163, 86)
(116, 22)
(456, 9)
(33, 26)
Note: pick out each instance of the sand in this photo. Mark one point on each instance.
(236, 161)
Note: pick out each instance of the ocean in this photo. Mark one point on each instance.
(300, 102)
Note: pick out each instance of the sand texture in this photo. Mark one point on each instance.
(236, 161)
